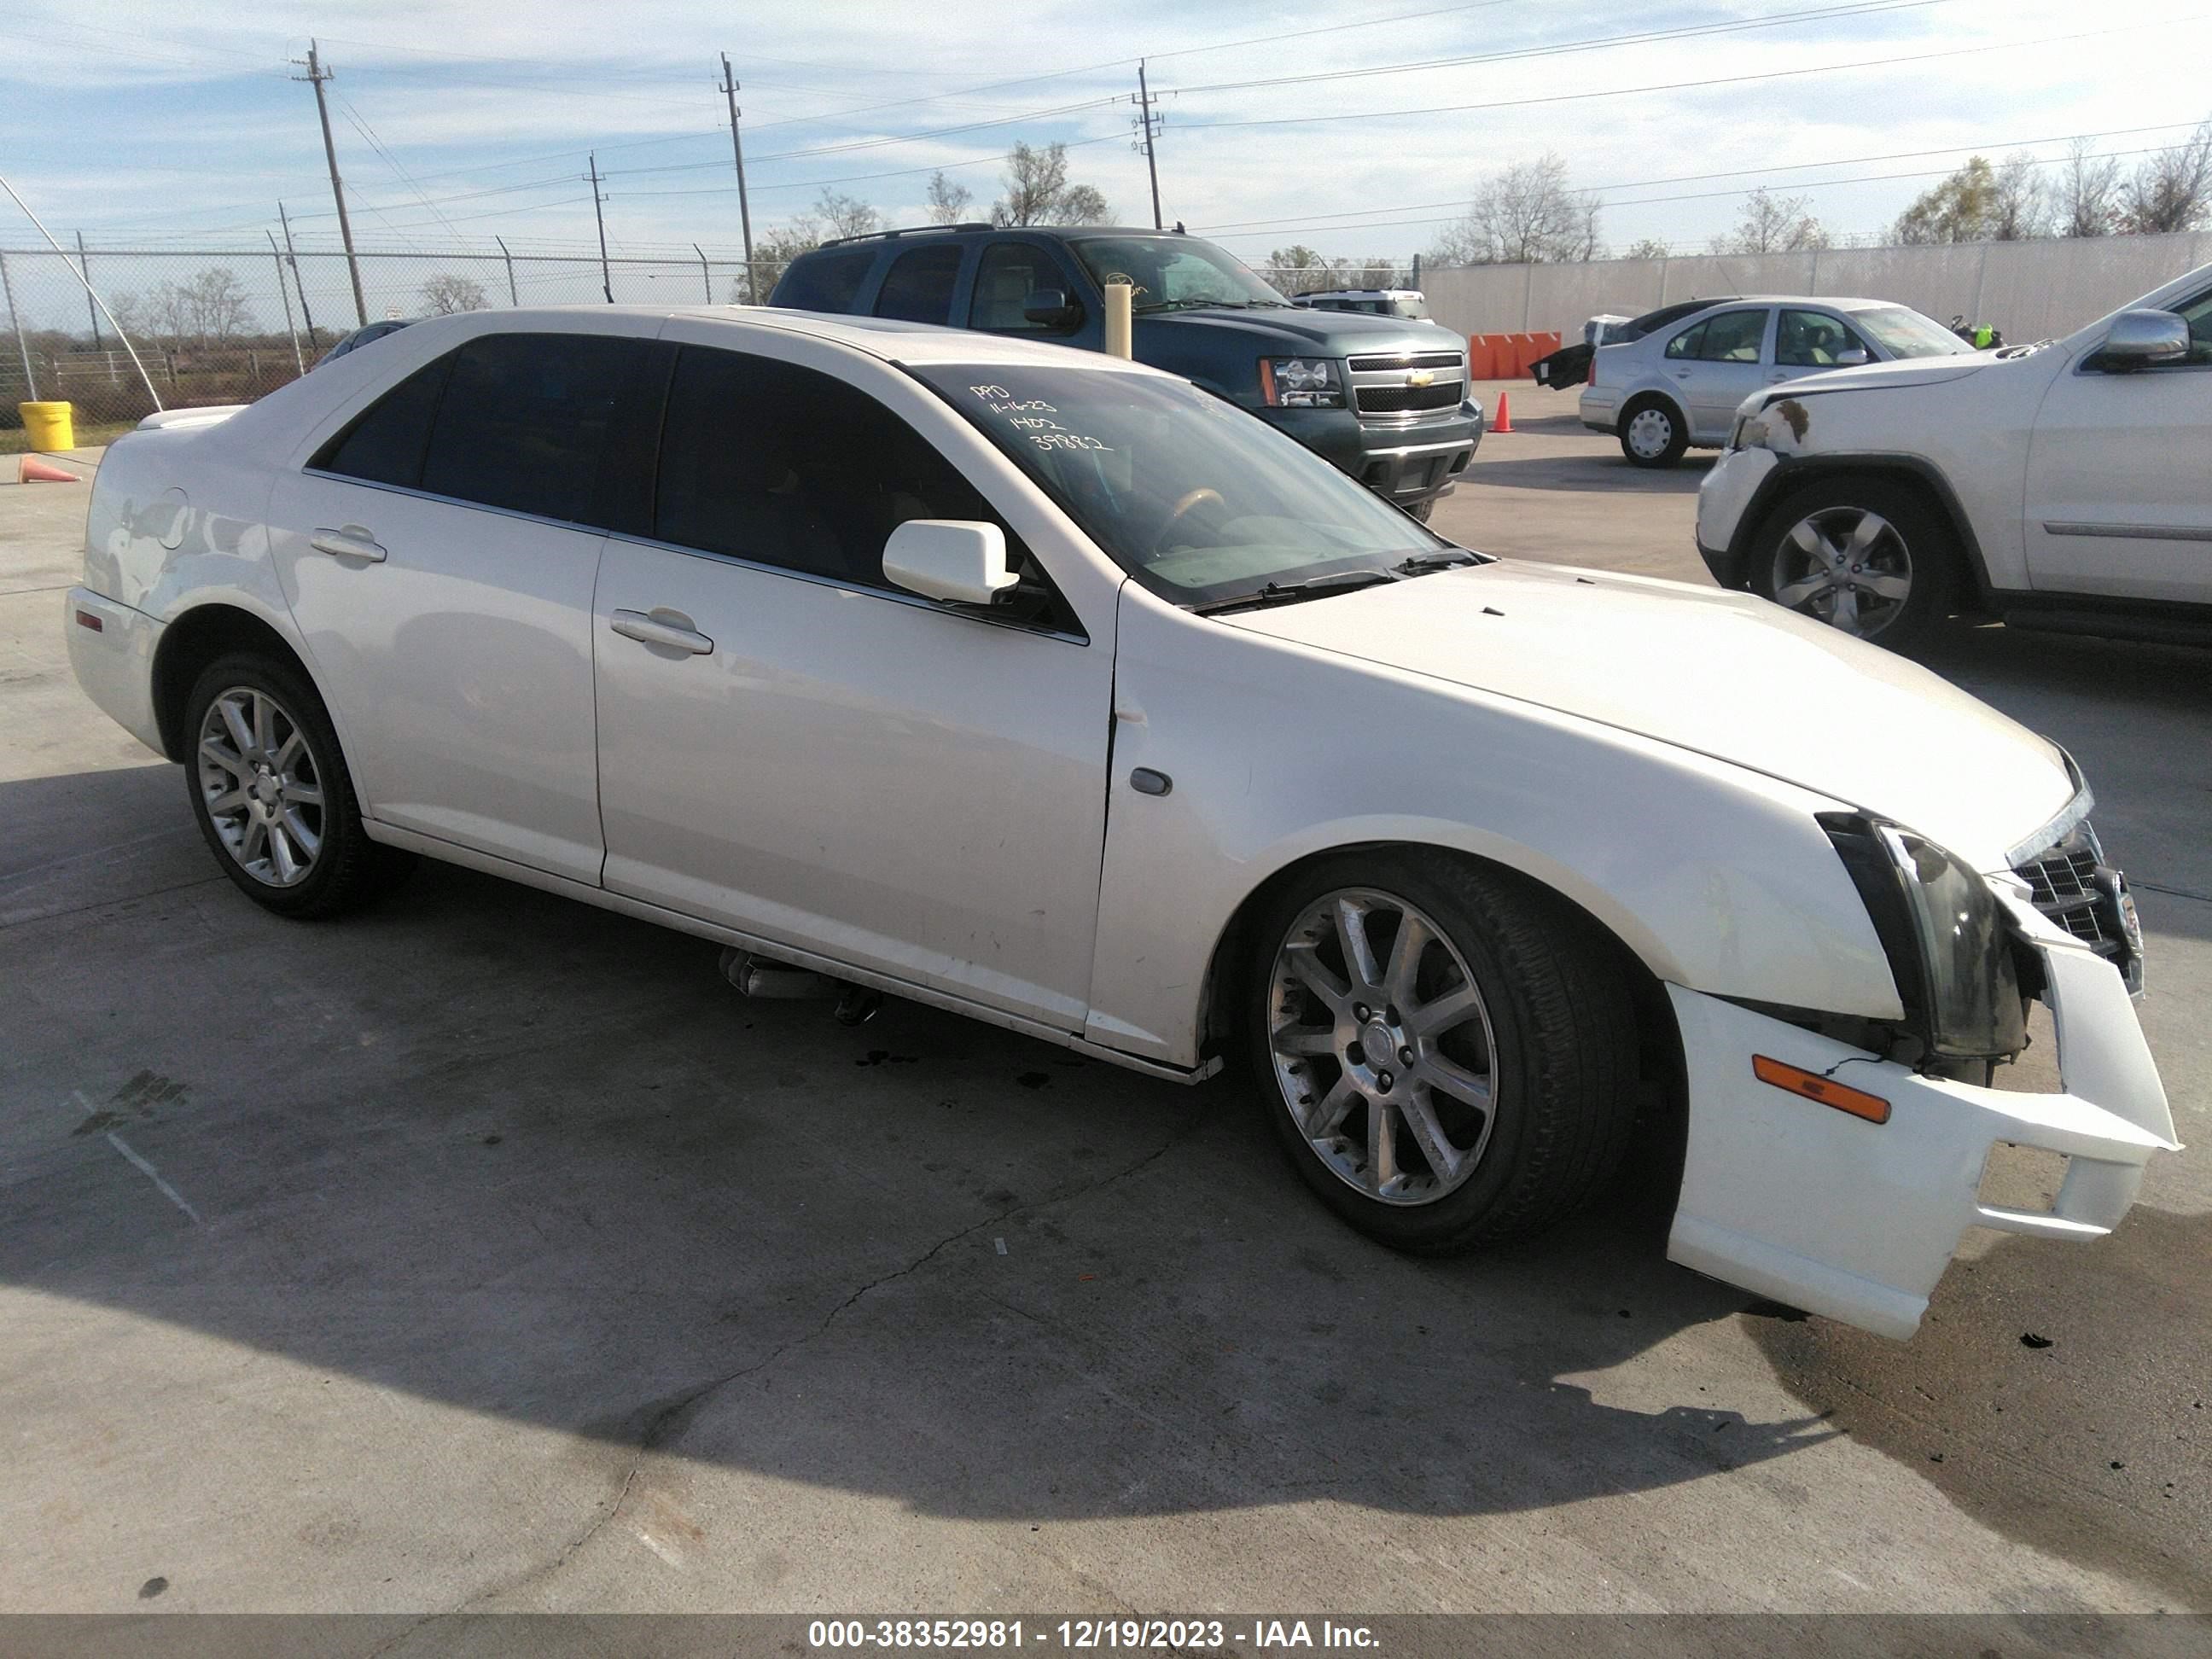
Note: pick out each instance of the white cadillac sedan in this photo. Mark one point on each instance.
(1050, 690)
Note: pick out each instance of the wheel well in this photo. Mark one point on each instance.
(192, 642)
(1642, 399)
(1659, 1040)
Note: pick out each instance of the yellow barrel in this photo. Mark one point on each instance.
(48, 426)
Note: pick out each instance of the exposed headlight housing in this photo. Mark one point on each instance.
(1949, 947)
(1301, 383)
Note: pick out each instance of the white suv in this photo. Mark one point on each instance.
(2062, 485)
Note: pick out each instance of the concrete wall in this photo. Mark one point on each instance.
(2031, 290)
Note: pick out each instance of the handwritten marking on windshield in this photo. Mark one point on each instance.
(1028, 416)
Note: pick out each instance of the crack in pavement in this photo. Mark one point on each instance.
(667, 1424)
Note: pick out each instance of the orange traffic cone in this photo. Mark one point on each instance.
(1504, 414)
(32, 470)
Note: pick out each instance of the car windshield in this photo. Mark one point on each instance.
(1904, 333)
(1196, 499)
(1168, 271)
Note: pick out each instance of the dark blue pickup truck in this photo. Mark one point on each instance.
(1386, 399)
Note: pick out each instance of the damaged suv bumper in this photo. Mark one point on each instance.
(1856, 1219)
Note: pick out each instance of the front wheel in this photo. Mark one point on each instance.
(1865, 556)
(1423, 510)
(271, 794)
(1446, 1051)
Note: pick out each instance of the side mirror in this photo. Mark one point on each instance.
(950, 559)
(2140, 339)
(1049, 308)
(1853, 359)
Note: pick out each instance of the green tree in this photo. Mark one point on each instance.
(1960, 208)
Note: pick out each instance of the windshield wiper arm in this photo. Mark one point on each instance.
(1312, 587)
(1443, 559)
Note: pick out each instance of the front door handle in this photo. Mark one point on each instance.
(663, 627)
(1777, 378)
(351, 543)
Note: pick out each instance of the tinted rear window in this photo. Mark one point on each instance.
(918, 288)
(824, 282)
(526, 418)
(384, 444)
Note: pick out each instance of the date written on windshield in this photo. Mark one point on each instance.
(1032, 418)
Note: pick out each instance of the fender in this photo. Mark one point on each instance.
(1792, 470)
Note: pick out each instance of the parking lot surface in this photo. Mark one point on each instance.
(488, 1253)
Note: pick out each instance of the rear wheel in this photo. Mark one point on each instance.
(271, 794)
(1867, 556)
(1653, 433)
(1445, 1050)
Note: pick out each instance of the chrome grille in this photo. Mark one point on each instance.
(2071, 884)
(1421, 359)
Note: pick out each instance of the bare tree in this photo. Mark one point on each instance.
(1648, 247)
(948, 201)
(2088, 191)
(1038, 193)
(1773, 224)
(774, 250)
(446, 294)
(1299, 269)
(1527, 214)
(2020, 205)
(207, 311)
(2172, 190)
(845, 215)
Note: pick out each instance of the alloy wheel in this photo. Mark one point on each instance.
(1846, 567)
(261, 786)
(1381, 1047)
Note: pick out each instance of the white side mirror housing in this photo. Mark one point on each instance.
(955, 559)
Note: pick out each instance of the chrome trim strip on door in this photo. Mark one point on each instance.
(2133, 532)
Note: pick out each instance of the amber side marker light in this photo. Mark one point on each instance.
(1811, 1085)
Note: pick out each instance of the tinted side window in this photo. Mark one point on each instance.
(824, 282)
(1685, 343)
(918, 288)
(784, 465)
(526, 420)
(384, 445)
(1009, 273)
(1733, 337)
(1812, 339)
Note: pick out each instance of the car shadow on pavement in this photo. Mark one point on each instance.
(1586, 473)
(515, 1155)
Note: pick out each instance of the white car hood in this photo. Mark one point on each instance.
(1891, 376)
(1724, 674)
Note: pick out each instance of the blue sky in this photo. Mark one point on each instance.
(179, 125)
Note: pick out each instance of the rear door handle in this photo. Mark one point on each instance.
(663, 626)
(351, 543)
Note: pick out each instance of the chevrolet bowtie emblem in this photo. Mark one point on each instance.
(1420, 377)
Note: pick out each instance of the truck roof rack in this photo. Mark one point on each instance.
(903, 230)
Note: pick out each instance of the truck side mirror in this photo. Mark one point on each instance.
(2140, 339)
(1049, 309)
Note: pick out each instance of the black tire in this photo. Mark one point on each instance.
(347, 870)
(1924, 545)
(1562, 1040)
(1423, 510)
(1676, 429)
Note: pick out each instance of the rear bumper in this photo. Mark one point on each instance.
(1597, 409)
(113, 660)
(1857, 1220)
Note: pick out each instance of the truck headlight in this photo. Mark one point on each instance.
(1945, 934)
(1300, 383)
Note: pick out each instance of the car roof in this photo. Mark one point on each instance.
(927, 232)
(887, 337)
(1832, 301)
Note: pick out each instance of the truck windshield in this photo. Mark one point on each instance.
(1196, 499)
(1904, 333)
(1168, 271)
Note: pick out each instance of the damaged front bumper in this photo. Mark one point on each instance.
(1857, 1220)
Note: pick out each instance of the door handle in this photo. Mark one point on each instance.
(351, 543)
(1777, 378)
(672, 629)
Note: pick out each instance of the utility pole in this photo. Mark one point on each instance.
(606, 281)
(316, 76)
(1148, 125)
(285, 293)
(306, 315)
(84, 270)
(738, 150)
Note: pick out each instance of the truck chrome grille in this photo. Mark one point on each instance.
(2071, 884)
(1418, 360)
(1407, 399)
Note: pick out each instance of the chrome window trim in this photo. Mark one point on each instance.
(584, 529)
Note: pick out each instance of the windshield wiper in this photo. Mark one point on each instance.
(1443, 559)
(1171, 305)
(1312, 587)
